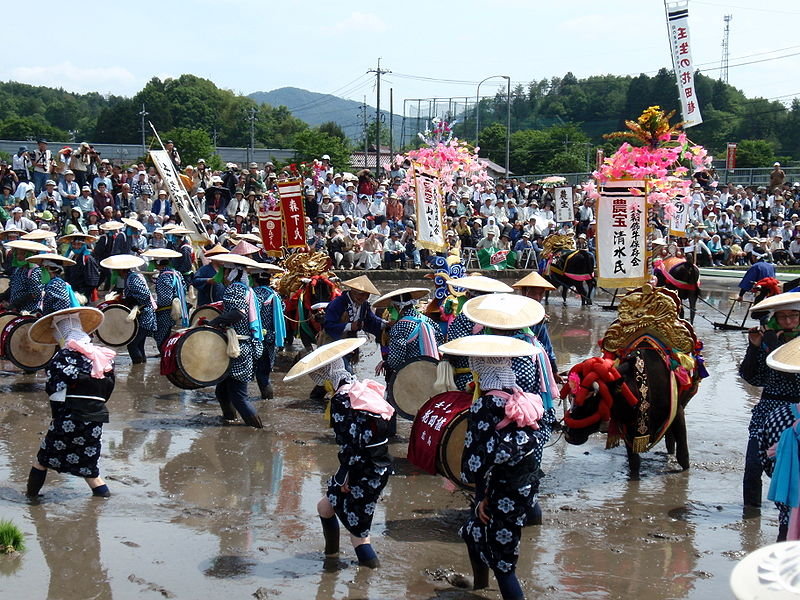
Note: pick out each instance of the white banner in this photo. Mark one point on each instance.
(430, 207)
(621, 227)
(678, 26)
(680, 218)
(181, 201)
(565, 209)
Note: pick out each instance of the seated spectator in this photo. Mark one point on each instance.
(394, 252)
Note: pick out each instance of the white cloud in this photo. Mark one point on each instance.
(69, 76)
(359, 23)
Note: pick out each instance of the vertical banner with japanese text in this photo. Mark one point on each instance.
(565, 209)
(181, 200)
(680, 218)
(430, 206)
(270, 227)
(730, 157)
(293, 213)
(621, 229)
(680, 44)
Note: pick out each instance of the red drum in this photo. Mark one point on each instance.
(5, 318)
(195, 358)
(116, 330)
(437, 435)
(209, 311)
(18, 347)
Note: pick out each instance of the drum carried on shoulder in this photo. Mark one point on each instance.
(17, 347)
(207, 311)
(411, 385)
(116, 330)
(437, 435)
(195, 358)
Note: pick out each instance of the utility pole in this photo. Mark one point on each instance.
(366, 143)
(252, 153)
(143, 114)
(725, 48)
(391, 124)
(378, 72)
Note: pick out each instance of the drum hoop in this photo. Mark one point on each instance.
(111, 305)
(390, 385)
(192, 319)
(177, 351)
(15, 324)
(440, 451)
(178, 379)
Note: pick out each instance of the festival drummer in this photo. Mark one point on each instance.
(273, 324)
(502, 451)
(208, 289)
(170, 289)
(84, 275)
(178, 241)
(136, 296)
(534, 286)
(360, 418)
(241, 314)
(80, 380)
(25, 286)
(57, 294)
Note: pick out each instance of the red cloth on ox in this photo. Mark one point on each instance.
(430, 426)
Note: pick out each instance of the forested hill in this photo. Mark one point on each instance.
(554, 121)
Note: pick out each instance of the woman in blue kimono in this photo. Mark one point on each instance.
(170, 290)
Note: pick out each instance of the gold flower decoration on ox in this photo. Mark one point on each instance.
(555, 242)
(299, 266)
(650, 311)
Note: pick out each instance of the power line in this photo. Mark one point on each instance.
(729, 6)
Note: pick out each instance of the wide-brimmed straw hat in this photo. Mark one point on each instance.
(27, 245)
(160, 254)
(4, 233)
(67, 239)
(42, 332)
(112, 225)
(401, 295)
(244, 248)
(504, 311)
(766, 573)
(480, 283)
(533, 279)
(786, 358)
(177, 230)
(235, 260)
(487, 345)
(785, 301)
(38, 234)
(133, 223)
(252, 238)
(324, 355)
(215, 250)
(361, 284)
(51, 257)
(122, 261)
(264, 267)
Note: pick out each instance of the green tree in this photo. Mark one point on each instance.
(492, 142)
(23, 128)
(191, 144)
(312, 143)
(755, 153)
(333, 129)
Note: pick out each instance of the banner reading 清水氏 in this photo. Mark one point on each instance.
(621, 231)
(429, 209)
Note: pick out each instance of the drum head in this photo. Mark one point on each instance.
(4, 283)
(116, 330)
(24, 353)
(7, 317)
(209, 311)
(412, 386)
(452, 449)
(202, 356)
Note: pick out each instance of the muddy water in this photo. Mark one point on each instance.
(199, 509)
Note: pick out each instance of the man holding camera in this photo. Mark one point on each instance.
(42, 165)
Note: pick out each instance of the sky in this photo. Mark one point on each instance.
(328, 47)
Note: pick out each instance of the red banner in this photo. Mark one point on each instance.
(730, 159)
(269, 224)
(294, 218)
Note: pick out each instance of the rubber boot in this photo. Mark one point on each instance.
(480, 571)
(330, 530)
(36, 479)
(367, 557)
(509, 586)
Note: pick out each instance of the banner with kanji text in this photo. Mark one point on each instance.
(621, 230)
(292, 212)
(680, 218)
(681, 47)
(270, 227)
(430, 209)
(565, 209)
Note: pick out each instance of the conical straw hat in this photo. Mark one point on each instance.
(414, 292)
(216, 249)
(244, 248)
(786, 358)
(112, 225)
(487, 345)
(4, 233)
(480, 283)
(38, 234)
(42, 330)
(361, 284)
(27, 245)
(322, 356)
(122, 261)
(504, 311)
(53, 257)
(785, 301)
(160, 254)
(66, 239)
(235, 260)
(134, 223)
(533, 279)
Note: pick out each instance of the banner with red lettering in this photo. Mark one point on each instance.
(293, 213)
(430, 209)
(681, 46)
(621, 227)
(730, 158)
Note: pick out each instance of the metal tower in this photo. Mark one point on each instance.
(723, 67)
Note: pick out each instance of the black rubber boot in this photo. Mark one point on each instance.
(783, 531)
(318, 393)
(367, 557)
(509, 586)
(266, 391)
(35, 482)
(480, 572)
(101, 491)
(330, 530)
